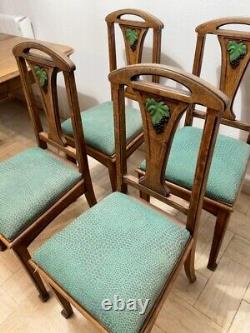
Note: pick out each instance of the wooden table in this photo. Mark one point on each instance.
(9, 74)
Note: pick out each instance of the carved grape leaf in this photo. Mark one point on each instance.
(132, 37)
(42, 76)
(159, 112)
(237, 51)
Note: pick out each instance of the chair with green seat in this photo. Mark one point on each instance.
(98, 121)
(124, 248)
(37, 186)
(231, 155)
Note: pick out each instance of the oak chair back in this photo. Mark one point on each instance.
(41, 64)
(162, 108)
(235, 57)
(134, 32)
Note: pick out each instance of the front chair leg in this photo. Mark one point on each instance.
(189, 265)
(24, 256)
(219, 232)
(90, 194)
(3, 247)
(67, 311)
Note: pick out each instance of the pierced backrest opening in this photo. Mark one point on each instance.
(235, 57)
(161, 109)
(41, 64)
(134, 32)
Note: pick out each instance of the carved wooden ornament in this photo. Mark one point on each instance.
(42, 76)
(159, 112)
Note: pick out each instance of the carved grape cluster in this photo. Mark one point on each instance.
(159, 112)
(42, 76)
(237, 51)
(132, 37)
(159, 127)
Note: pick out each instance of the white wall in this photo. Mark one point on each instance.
(80, 24)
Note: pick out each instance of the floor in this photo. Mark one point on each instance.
(217, 302)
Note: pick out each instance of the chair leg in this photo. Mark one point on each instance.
(90, 196)
(145, 196)
(189, 266)
(24, 256)
(67, 310)
(112, 176)
(219, 232)
(71, 159)
(3, 247)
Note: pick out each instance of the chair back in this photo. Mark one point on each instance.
(41, 64)
(134, 32)
(162, 108)
(235, 57)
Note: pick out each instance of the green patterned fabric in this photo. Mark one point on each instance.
(227, 169)
(30, 183)
(98, 126)
(118, 247)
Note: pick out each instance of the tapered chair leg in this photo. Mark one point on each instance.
(3, 247)
(189, 266)
(112, 176)
(71, 159)
(219, 232)
(90, 196)
(145, 196)
(24, 256)
(67, 310)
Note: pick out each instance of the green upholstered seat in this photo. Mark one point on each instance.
(98, 126)
(227, 169)
(118, 247)
(31, 182)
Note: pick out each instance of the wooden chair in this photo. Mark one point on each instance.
(35, 185)
(98, 121)
(231, 155)
(124, 246)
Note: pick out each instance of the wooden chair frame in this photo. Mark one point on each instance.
(230, 79)
(133, 56)
(159, 144)
(51, 62)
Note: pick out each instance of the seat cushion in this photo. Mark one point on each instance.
(227, 169)
(118, 247)
(98, 126)
(30, 183)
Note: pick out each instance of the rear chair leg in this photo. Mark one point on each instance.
(88, 190)
(143, 195)
(112, 176)
(71, 159)
(24, 256)
(219, 232)
(67, 311)
(113, 179)
(90, 196)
